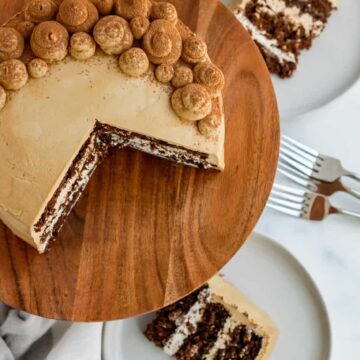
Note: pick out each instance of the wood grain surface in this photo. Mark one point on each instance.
(148, 232)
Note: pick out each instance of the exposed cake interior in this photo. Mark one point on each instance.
(282, 28)
(215, 322)
(101, 141)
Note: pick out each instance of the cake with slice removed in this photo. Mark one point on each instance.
(74, 85)
(282, 28)
(215, 322)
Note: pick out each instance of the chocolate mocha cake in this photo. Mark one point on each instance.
(282, 28)
(78, 78)
(216, 322)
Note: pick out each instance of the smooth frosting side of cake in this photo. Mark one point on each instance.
(44, 125)
(244, 311)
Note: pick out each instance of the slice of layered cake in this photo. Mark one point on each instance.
(282, 28)
(81, 77)
(215, 322)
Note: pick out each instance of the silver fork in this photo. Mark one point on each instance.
(303, 204)
(311, 163)
(313, 185)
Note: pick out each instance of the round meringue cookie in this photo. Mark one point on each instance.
(164, 73)
(11, 44)
(78, 15)
(38, 11)
(139, 26)
(210, 76)
(82, 46)
(129, 9)
(2, 97)
(134, 62)
(25, 28)
(194, 50)
(112, 33)
(211, 122)
(13, 74)
(183, 75)
(162, 42)
(37, 68)
(164, 10)
(49, 41)
(191, 102)
(104, 6)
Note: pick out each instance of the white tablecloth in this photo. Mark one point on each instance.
(27, 337)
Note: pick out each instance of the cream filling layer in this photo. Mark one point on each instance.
(222, 338)
(187, 324)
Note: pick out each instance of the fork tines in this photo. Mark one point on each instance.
(299, 156)
(296, 176)
(287, 200)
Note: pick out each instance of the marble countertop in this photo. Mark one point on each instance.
(329, 250)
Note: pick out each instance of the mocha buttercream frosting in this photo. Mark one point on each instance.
(2, 97)
(13, 74)
(191, 102)
(82, 46)
(129, 9)
(78, 15)
(11, 44)
(49, 41)
(134, 62)
(113, 34)
(158, 83)
(37, 68)
(38, 11)
(181, 56)
(104, 6)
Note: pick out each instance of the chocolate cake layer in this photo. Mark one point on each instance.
(161, 329)
(201, 326)
(243, 344)
(283, 28)
(212, 321)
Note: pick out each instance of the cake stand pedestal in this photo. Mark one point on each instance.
(148, 232)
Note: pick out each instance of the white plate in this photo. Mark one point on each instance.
(270, 276)
(329, 68)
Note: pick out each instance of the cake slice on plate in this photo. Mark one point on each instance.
(282, 28)
(215, 322)
(75, 84)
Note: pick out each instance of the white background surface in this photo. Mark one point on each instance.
(328, 69)
(329, 250)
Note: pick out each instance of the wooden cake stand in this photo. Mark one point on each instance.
(148, 232)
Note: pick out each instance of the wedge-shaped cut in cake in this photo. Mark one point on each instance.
(136, 78)
(216, 322)
(282, 28)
